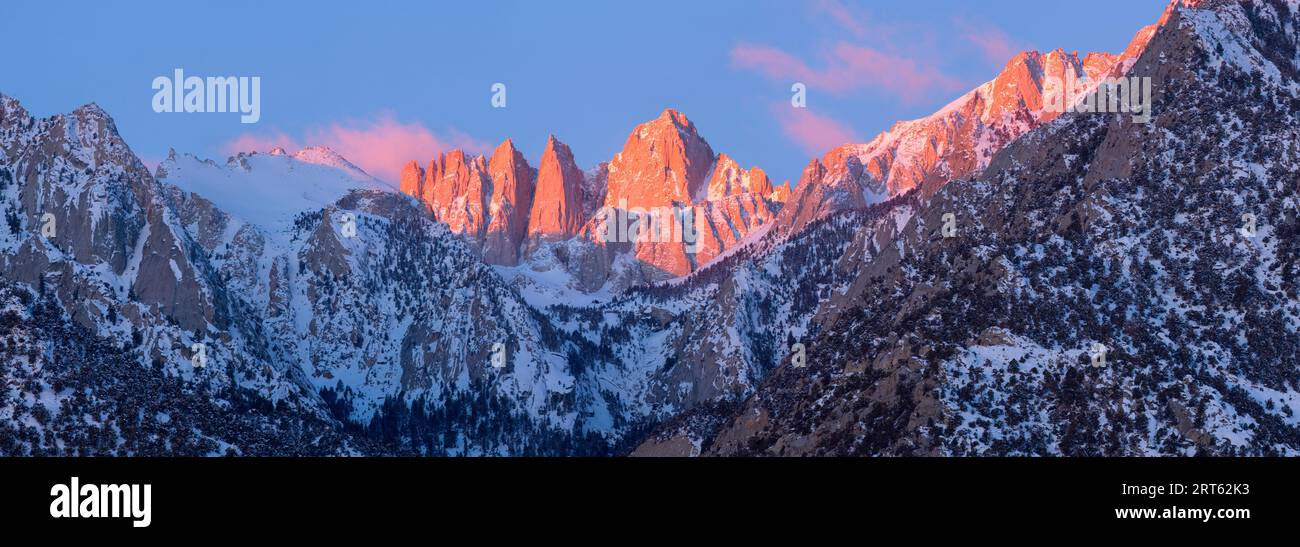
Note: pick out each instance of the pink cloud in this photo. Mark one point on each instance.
(814, 132)
(772, 63)
(849, 68)
(384, 146)
(996, 46)
(381, 146)
(150, 162)
(840, 14)
(899, 75)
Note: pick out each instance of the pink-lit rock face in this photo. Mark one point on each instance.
(781, 194)
(664, 162)
(1019, 90)
(488, 202)
(559, 210)
(957, 141)
(507, 210)
(457, 189)
(510, 204)
(665, 168)
(817, 195)
(729, 179)
(722, 224)
(411, 181)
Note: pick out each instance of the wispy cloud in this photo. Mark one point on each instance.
(380, 146)
(848, 68)
(385, 145)
(993, 44)
(842, 15)
(773, 63)
(865, 58)
(813, 132)
(150, 162)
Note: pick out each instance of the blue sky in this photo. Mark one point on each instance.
(414, 77)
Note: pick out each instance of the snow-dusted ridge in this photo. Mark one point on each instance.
(268, 190)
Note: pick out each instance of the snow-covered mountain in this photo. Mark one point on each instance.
(956, 142)
(320, 306)
(112, 310)
(290, 303)
(380, 323)
(1111, 287)
(549, 229)
(666, 163)
(268, 190)
(391, 317)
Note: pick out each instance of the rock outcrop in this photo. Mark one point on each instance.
(956, 142)
(665, 202)
(664, 162)
(510, 204)
(559, 208)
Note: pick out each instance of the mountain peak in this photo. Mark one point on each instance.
(513, 182)
(263, 189)
(324, 155)
(957, 141)
(90, 109)
(411, 179)
(730, 179)
(558, 204)
(676, 117)
(9, 102)
(316, 152)
(664, 161)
